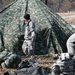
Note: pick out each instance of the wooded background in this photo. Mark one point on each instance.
(55, 5)
(60, 5)
(3, 3)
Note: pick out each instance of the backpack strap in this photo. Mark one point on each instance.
(28, 23)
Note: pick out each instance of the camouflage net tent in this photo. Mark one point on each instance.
(52, 31)
(10, 23)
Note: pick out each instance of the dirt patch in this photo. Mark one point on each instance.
(5, 70)
(43, 60)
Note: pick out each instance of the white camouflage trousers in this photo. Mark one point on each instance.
(71, 44)
(28, 47)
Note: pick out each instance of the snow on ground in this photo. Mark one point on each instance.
(69, 17)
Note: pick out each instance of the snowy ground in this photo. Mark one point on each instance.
(69, 17)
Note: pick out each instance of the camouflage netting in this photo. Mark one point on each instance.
(10, 23)
(51, 30)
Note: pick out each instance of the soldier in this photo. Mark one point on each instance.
(29, 36)
(64, 65)
(71, 44)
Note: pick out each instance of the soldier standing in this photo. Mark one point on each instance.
(29, 36)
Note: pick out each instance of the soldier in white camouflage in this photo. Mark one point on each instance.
(64, 65)
(71, 45)
(29, 36)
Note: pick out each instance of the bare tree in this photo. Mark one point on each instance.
(1, 1)
(46, 2)
(60, 3)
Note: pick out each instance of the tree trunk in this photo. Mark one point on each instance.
(46, 2)
(1, 1)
